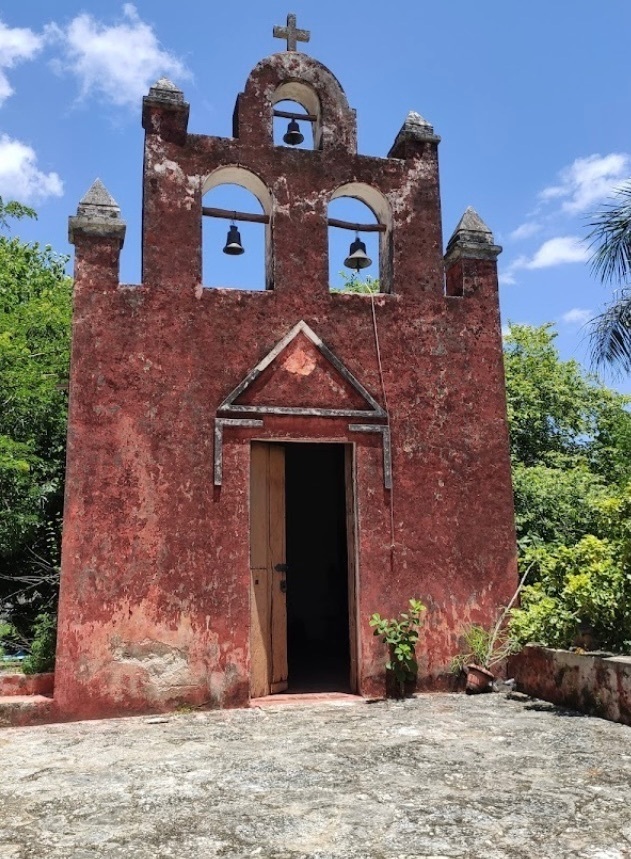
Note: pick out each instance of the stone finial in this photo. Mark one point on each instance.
(472, 239)
(98, 214)
(165, 113)
(165, 90)
(415, 128)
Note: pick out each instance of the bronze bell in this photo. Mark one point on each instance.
(357, 257)
(294, 136)
(233, 242)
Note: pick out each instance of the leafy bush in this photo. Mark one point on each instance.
(42, 656)
(401, 635)
(582, 586)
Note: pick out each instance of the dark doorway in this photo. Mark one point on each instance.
(318, 639)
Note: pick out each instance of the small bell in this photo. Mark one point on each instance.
(233, 242)
(294, 136)
(357, 257)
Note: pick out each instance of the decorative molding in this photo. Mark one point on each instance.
(387, 448)
(220, 423)
(228, 405)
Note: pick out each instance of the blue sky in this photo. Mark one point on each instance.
(531, 101)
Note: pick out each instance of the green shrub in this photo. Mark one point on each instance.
(401, 635)
(585, 585)
(42, 656)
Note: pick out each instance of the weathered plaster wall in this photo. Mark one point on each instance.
(598, 685)
(155, 573)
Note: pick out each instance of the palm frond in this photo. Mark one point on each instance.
(610, 238)
(610, 333)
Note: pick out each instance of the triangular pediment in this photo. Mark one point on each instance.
(301, 376)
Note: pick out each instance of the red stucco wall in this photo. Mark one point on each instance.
(154, 607)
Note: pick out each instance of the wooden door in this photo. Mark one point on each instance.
(268, 643)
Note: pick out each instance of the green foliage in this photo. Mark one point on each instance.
(401, 635)
(35, 309)
(5, 631)
(554, 505)
(42, 656)
(611, 261)
(484, 647)
(587, 585)
(352, 283)
(571, 454)
(552, 405)
(13, 209)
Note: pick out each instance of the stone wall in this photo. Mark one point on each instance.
(26, 684)
(596, 684)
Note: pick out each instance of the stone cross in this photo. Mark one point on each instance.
(291, 33)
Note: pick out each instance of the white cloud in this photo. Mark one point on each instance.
(20, 178)
(577, 316)
(16, 45)
(526, 230)
(507, 277)
(557, 251)
(587, 181)
(118, 63)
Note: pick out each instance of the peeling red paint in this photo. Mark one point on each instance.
(154, 609)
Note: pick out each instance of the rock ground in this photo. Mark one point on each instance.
(435, 776)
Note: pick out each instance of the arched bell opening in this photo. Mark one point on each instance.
(297, 116)
(236, 231)
(359, 222)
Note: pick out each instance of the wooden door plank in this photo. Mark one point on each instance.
(260, 633)
(260, 588)
(277, 556)
(259, 505)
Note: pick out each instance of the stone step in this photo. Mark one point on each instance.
(17, 711)
(16, 683)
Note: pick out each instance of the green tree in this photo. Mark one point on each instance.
(571, 461)
(611, 239)
(35, 307)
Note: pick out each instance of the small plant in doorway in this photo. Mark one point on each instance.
(401, 635)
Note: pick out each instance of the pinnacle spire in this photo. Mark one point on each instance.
(98, 213)
(165, 90)
(472, 238)
(471, 222)
(417, 125)
(415, 128)
(98, 195)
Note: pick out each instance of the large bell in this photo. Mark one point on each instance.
(294, 136)
(357, 257)
(233, 242)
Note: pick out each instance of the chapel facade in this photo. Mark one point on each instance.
(252, 474)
